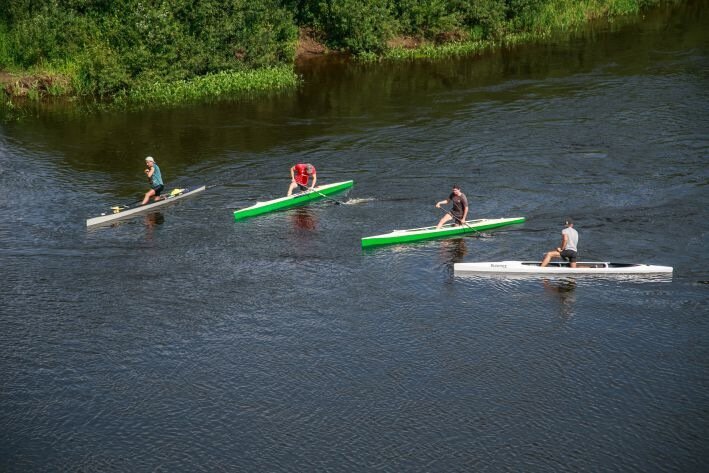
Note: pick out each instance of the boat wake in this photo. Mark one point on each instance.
(358, 201)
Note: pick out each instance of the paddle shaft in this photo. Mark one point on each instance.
(328, 198)
(127, 206)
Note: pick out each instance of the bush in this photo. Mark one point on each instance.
(113, 46)
(523, 13)
(428, 18)
(121, 44)
(5, 59)
(101, 72)
(356, 25)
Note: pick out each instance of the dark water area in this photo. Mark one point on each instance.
(184, 341)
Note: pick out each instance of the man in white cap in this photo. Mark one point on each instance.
(155, 179)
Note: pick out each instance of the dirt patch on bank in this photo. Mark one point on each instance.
(6, 78)
(309, 45)
(21, 86)
(404, 42)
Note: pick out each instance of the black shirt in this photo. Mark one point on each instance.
(460, 203)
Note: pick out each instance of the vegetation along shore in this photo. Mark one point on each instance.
(164, 52)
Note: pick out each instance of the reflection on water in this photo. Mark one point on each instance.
(151, 221)
(154, 218)
(564, 290)
(452, 251)
(303, 219)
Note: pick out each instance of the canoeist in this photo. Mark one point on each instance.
(155, 180)
(458, 212)
(300, 174)
(569, 245)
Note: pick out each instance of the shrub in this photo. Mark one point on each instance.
(101, 72)
(5, 58)
(356, 25)
(428, 18)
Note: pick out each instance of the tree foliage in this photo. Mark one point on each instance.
(109, 45)
(115, 44)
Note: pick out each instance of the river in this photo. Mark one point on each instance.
(185, 341)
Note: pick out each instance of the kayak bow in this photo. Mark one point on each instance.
(294, 200)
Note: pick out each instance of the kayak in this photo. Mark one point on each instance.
(446, 231)
(320, 192)
(119, 212)
(582, 267)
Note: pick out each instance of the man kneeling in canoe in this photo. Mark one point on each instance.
(299, 175)
(569, 245)
(155, 179)
(458, 212)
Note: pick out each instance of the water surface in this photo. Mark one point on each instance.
(183, 341)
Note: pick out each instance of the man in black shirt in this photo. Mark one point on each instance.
(458, 212)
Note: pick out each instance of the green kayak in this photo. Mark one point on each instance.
(320, 192)
(446, 231)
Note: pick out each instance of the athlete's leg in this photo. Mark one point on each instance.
(443, 220)
(148, 195)
(549, 256)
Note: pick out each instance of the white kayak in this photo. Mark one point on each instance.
(124, 211)
(582, 267)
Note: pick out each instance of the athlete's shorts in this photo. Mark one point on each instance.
(457, 220)
(158, 189)
(569, 255)
(302, 187)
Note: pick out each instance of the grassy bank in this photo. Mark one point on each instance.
(143, 53)
(554, 17)
(210, 87)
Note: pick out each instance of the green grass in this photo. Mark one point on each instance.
(433, 51)
(213, 86)
(567, 15)
(40, 84)
(558, 16)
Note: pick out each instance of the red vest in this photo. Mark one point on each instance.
(300, 172)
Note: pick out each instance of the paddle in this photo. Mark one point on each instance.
(328, 198)
(119, 207)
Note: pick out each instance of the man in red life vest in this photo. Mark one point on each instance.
(299, 174)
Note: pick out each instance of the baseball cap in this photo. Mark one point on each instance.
(149, 158)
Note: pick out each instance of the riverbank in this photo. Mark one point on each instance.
(50, 82)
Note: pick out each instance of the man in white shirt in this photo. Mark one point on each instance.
(569, 245)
